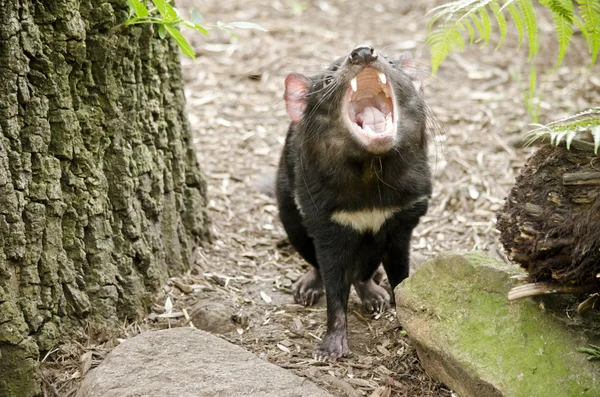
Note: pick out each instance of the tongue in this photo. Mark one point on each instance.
(371, 119)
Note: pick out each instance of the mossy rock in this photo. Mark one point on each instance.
(470, 337)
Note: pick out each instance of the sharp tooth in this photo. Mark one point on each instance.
(381, 77)
(354, 84)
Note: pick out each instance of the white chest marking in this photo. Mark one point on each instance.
(364, 220)
(369, 220)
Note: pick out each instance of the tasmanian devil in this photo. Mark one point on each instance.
(353, 181)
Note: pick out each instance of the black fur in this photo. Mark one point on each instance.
(324, 169)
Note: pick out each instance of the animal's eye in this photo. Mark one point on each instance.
(326, 81)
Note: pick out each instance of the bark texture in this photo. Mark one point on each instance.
(550, 223)
(100, 192)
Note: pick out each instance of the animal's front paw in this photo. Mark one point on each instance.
(309, 289)
(333, 346)
(374, 297)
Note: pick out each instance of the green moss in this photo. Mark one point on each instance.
(48, 336)
(20, 380)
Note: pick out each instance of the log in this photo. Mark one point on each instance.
(550, 223)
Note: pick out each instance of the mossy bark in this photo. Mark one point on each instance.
(101, 196)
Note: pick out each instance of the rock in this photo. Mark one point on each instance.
(471, 338)
(212, 317)
(416, 260)
(186, 362)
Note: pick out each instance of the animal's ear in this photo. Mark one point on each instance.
(296, 95)
(408, 66)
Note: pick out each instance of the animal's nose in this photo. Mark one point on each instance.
(363, 55)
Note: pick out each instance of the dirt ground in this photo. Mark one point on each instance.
(234, 91)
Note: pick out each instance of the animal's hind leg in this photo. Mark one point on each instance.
(309, 289)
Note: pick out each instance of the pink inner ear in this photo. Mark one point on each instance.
(296, 93)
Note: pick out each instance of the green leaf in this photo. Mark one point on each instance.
(195, 26)
(200, 29)
(197, 17)
(501, 20)
(139, 7)
(242, 25)
(564, 8)
(562, 16)
(162, 31)
(225, 27)
(560, 136)
(479, 27)
(473, 6)
(443, 41)
(570, 136)
(168, 13)
(528, 11)
(518, 20)
(181, 41)
(469, 27)
(590, 13)
(450, 9)
(487, 25)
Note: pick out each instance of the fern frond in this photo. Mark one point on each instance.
(506, 4)
(443, 41)
(473, 17)
(487, 25)
(479, 25)
(471, 31)
(528, 12)
(477, 7)
(564, 8)
(584, 116)
(501, 20)
(570, 136)
(581, 123)
(518, 20)
(560, 136)
(562, 15)
(590, 13)
(448, 10)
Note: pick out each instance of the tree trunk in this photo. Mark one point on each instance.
(100, 193)
(550, 223)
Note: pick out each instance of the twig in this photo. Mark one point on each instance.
(535, 289)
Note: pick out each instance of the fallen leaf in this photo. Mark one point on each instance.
(382, 391)
(168, 305)
(266, 297)
(86, 362)
(283, 348)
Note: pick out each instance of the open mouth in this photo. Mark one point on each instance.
(370, 108)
